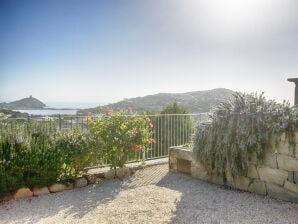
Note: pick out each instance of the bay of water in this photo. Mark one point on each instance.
(48, 112)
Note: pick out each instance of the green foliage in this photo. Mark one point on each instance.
(244, 126)
(80, 150)
(122, 136)
(27, 156)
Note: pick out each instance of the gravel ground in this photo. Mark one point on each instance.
(151, 195)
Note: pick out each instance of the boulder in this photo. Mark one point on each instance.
(270, 175)
(23, 193)
(90, 178)
(80, 182)
(123, 172)
(110, 174)
(60, 187)
(37, 191)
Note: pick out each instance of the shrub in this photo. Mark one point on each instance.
(240, 127)
(122, 136)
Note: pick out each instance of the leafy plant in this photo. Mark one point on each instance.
(122, 136)
(246, 125)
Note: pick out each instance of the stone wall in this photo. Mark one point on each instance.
(276, 175)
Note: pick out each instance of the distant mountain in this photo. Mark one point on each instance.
(26, 103)
(195, 102)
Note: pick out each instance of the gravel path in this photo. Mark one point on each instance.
(151, 195)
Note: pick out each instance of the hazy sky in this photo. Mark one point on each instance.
(104, 51)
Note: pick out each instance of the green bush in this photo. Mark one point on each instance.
(241, 127)
(122, 136)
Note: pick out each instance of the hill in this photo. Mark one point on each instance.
(26, 103)
(195, 102)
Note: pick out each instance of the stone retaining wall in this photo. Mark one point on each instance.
(276, 176)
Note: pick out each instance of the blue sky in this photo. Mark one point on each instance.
(104, 51)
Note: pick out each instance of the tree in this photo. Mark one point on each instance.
(172, 127)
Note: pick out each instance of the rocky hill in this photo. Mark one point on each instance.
(26, 103)
(195, 102)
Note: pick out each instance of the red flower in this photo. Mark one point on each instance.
(110, 112)
(136, 147)
(89, 118)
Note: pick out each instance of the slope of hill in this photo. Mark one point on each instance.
(195, 102)
(26, 103)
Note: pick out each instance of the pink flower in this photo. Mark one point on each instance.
(151, 125)
(151, 140)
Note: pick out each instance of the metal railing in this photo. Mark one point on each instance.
(169, 129)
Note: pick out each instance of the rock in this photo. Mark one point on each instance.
(270, 175)
(80, 182)
(242, 183)
(296, 177)
(110, 174)
(23, 193)
(252, 172)
(37, 191)
(60, 187)
(90, 178)
(285, 149)
(287, 163)
(270, 160)
(291, 177)
(123, 172)
(291, 186)
(278, 192)
(252, 158)
(258, 186)
(199, 172)
(100, 175)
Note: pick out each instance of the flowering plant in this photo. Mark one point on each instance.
(122, 135)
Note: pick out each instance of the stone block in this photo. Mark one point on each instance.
(296, 177)
(270, 160)
(270, 175)
(291, 187)
(123, 172)
(91, 178)
(287, 163)
(173, 166)
(229, 177)
(252, 171)
(216, 179)
(242, 183)
(291, 177)
(60, 187)
(258, 186)
(285, 149)
(181, 153)
(199, 172)
(80, 182)
(278, 192)
(37, 191)
(184, 166)
(23, 193)
(110, 174)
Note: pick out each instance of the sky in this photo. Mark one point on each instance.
(102, 51)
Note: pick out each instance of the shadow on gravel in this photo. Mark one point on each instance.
(203, 202)
(75, 203)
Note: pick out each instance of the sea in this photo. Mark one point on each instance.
(63, 108)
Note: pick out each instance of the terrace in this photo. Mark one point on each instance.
(152, 194)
